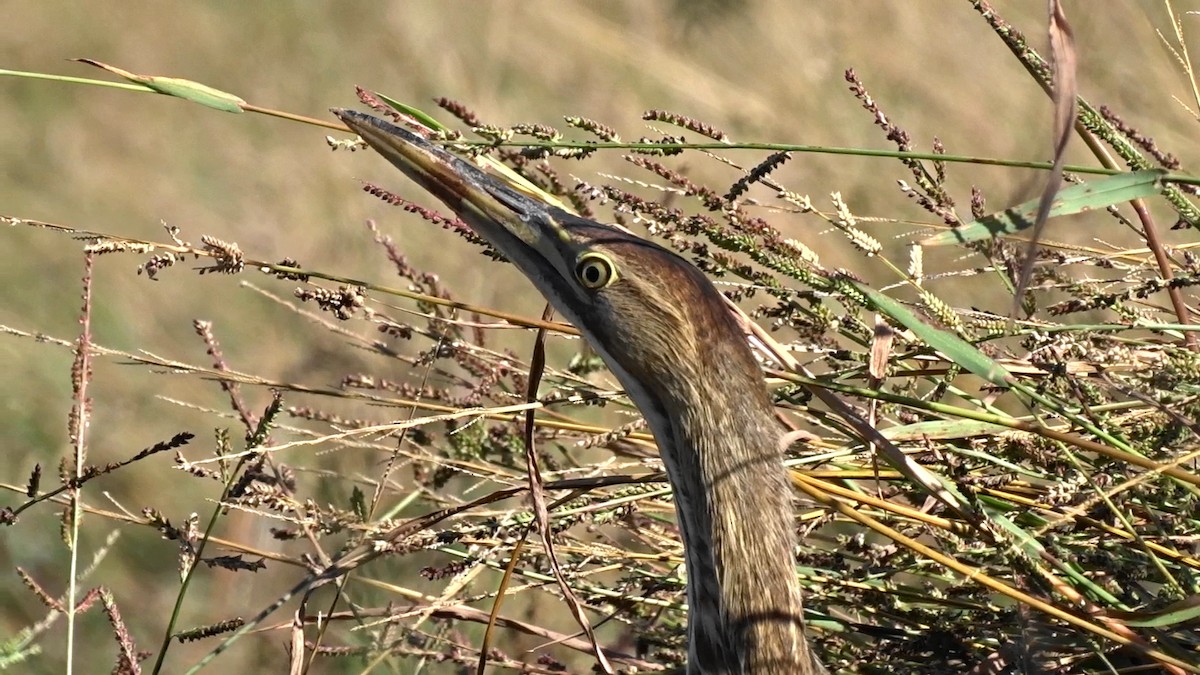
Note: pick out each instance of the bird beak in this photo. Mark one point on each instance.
(494, 209)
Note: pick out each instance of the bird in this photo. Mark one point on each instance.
(666, 333)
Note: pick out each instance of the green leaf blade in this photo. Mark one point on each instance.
(1097, 194)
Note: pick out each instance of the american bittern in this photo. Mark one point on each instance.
(666, 333)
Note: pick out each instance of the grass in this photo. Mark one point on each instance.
(401, 409)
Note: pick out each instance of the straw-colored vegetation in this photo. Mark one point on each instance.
(359, 410)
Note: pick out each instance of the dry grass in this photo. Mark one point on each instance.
(118, 164)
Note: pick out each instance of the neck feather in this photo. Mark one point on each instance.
(733, 501)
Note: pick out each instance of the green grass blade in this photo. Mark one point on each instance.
(955, 348)
(179, 88)
(941, 430)
(1184, 611)
(416, 113)
(1097, 194)
(1034, 550)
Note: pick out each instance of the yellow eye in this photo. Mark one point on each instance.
(595, 270)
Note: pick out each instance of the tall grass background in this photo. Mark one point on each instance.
(123, 163)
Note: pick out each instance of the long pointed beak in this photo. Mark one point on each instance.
(494, 209)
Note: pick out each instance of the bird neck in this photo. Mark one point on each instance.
(733, 500)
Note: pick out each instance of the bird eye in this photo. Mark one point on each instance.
(595, 271)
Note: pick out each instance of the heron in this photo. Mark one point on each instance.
(667, 335)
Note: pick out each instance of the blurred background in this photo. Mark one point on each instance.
(122, 163)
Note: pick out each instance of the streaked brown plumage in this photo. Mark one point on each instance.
(665, 332)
